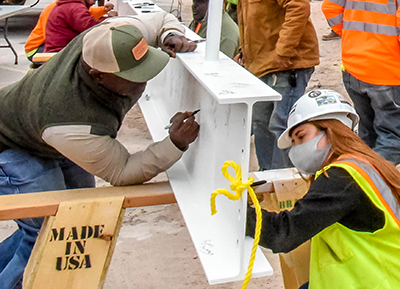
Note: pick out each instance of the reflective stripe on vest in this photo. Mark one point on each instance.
(335, 20)
(339, 2)
(381, 187)
(389, 9)
(373, 28)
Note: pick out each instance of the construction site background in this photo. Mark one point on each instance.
(154, 249)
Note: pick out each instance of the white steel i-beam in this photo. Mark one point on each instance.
(225, 93)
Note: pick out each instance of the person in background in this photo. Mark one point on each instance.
(351, 211)
(332, 35)
(280, 46)
(231, 9)
(229, 43)
(370, 33)
(67, 20)
(35, 42)
(59, 123)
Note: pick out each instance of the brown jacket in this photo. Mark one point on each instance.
(270, 27)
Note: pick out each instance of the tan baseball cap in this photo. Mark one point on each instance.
(120, 48)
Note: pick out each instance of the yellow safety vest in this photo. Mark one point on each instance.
(342, 258)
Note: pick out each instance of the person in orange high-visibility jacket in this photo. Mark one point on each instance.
(370, 33)
(35, 42)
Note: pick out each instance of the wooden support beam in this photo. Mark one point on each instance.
(46, 203)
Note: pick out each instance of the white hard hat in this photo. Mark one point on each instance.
(318, 104)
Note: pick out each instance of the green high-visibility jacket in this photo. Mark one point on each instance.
(342, 258)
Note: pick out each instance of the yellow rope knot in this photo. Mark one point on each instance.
(238, 186)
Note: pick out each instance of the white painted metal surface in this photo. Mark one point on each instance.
(225, 93)
(213, 35)
(135, 7)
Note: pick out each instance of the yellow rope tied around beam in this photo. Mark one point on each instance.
(238, 186)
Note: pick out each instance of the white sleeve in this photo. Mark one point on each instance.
(154, 26)
(107, 158)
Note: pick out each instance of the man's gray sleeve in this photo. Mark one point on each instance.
(154, 26)
(107, 158)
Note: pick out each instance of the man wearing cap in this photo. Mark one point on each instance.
(59, 123)
(229, 40)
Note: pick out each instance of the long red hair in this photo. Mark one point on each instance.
(345, 141)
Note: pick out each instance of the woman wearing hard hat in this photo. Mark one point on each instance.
(351, 212)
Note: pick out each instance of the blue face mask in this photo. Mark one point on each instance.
(306, 157)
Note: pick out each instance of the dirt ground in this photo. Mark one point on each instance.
(154, 249)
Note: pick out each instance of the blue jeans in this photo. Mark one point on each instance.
(270, 118)
(379, 109)
(304, 286)
(22, 173)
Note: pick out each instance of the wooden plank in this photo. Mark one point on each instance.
(46, 203)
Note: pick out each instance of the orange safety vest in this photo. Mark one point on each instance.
(370, 32)
(37, 36)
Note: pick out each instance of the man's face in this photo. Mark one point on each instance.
(121, 86)
(199, 9)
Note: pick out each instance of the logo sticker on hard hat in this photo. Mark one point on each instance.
(314, 93)
(325, 100)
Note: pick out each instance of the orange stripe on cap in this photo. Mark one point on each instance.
(197, 28)
(140, 49)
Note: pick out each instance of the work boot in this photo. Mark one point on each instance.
(331, 36)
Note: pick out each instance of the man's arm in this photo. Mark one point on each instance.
(98, 12)
(333, 11)
(81, 19)
(177, 43)
(154, 26)
(108, 159)
(297, 14)
(160, 29)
